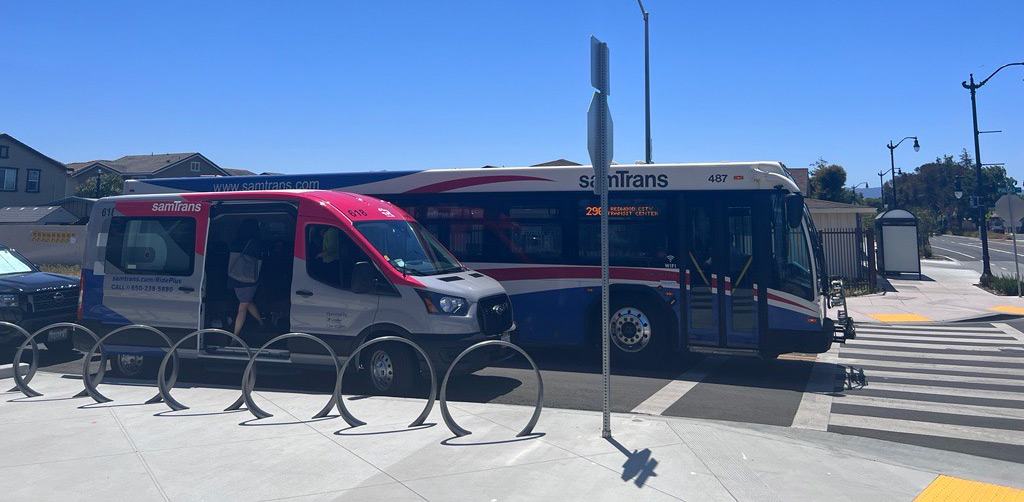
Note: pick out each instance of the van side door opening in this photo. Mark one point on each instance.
(276, 239)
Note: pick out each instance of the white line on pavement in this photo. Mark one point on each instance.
(938, 368)
(1010, 330)
(816, 402)
(941, 377)
(864, 351)
(957, 252)
(1001, 436)
(942, 391)
(937, 329)
(907, 404)
(676, 389)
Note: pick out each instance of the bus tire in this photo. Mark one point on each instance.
(390, 368)
(639, 331)
(133, 366)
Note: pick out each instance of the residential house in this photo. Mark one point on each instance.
(160, 165)
(828, 215)
(27, 177)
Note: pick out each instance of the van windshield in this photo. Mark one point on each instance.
(12, 263)
(409, 247)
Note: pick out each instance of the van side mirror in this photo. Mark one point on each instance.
(364, 278)
(794, 209)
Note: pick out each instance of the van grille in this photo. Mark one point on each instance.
(54, 300)
(495, 314)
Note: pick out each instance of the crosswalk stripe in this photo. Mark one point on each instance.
(938, 329)
(850, 360)
(919, 340)
(941, 377)
(1000, 351)
(673, 391)
(1001, 436)
(908, 404)
(936, 334)
(924, 370)
(1010, 330)
(1008, 362)
(946, 391)
(816, 402)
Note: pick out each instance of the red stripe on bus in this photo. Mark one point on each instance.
(791, 302)
(534, 273)
(444, 186)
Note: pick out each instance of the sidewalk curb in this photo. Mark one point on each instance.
(994, 317)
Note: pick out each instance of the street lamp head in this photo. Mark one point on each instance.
(917, 146)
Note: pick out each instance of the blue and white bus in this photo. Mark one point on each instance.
(712, 258)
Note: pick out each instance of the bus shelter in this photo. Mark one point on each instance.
(897, 242)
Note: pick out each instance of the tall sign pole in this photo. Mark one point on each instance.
(599, 144)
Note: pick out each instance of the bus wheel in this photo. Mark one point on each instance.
(637, 330)
(390, 369)
(132, 366)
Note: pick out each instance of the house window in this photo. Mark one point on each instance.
(195, 166)
(4, 151)
(32, 180)
(8, 179)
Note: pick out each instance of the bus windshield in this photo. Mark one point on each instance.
(409, 247)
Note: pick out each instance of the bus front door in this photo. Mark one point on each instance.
(721, 274)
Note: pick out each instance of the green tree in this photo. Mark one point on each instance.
(110, 184)
(828, 182)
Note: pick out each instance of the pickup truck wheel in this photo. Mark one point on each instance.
(133, 366)
(390, 369)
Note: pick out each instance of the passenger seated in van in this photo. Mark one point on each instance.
(244, 271)
(328, 255)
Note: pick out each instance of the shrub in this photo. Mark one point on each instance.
(1004, 285)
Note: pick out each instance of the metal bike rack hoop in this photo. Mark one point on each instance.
(450, 422)
(165, 387)
(355, 422)
(22, 384)
(91, 384)
(248, 384)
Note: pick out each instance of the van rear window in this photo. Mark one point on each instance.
(152, 246)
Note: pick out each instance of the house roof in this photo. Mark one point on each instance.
(140, 164)
(33, 150)
(557, 162)
(828, 206)
(238, 172)
(33, 214)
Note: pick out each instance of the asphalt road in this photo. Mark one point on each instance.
(967, 251)
(953, 386)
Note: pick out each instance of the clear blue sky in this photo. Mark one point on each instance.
(339, 86)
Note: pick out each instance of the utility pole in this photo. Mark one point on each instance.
(647, 80)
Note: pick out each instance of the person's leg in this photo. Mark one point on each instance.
(255, 313)
(240, 317)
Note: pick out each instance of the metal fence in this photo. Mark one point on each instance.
(849, 254)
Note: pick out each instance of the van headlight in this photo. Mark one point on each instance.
(8, 300)
(439, 304)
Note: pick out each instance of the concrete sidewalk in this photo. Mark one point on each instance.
(947, 292)
(57, 448)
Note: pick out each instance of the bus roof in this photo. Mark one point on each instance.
(622, 177)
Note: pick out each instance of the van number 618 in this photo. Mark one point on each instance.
(717, 178)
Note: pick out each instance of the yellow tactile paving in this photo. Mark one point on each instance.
(950, 489)
(1009, 309)
(899, 317)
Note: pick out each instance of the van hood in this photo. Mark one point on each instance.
(469, 284)
(35, 281)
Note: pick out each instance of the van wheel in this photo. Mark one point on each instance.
(639, 331)
(391, 369)
(132, 366)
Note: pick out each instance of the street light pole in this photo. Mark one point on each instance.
(892, 163)
(647, 80)
(980, 190)
(881, 186)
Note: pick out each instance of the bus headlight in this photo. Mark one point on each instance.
(8, 300)
(443, 304)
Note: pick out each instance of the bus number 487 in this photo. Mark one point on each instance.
(717, 178)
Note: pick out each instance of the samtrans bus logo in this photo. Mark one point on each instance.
(625, 179)
(177, 207)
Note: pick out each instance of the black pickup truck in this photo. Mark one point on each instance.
(33, 299)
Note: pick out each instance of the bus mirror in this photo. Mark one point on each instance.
(363, 277)
(794, 209)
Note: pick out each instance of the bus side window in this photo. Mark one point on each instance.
(330, 256)
(152, 246)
